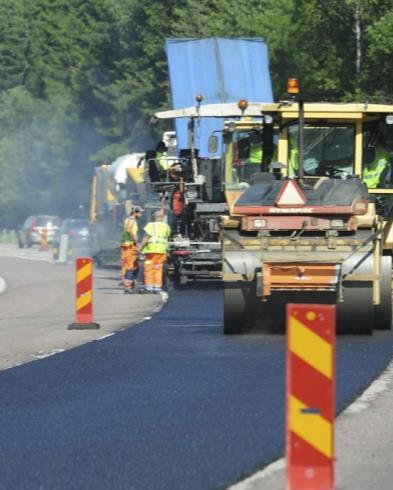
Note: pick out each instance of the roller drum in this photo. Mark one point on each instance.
(355, 315)
(383, 311)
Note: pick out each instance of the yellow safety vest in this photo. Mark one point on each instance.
(162, 160)
(256, 154)
(293, 161)
(372, 173)
(126, 237)
(159, 233)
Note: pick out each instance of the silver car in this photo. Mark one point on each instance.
(30, 232)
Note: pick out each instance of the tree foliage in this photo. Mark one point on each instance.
(79, 79)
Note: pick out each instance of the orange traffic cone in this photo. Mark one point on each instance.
(43, 240)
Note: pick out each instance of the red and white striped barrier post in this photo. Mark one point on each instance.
(84, 295)
(310, 410)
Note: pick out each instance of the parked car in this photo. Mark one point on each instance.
(77, 233)
(30, 232)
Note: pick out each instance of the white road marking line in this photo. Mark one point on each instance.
(43, 355)
(380, 385)
(106, 336)
(278, 465)
(3, 285)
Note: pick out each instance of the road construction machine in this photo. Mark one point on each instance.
(198, 183)
(197, 201)
(115, 188)
(311, 221)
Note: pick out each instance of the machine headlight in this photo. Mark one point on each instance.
(389, 119)
(259, 223)
(191, 194)
(337, 223)
(268, 119)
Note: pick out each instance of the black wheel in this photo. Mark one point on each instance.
(383, 312)
(355, 315)
(239, 299)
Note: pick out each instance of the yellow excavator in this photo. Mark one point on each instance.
(310, 219)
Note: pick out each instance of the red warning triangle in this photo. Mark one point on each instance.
(290, 195)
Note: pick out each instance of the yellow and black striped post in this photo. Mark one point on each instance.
(311, 331)
(84, 295)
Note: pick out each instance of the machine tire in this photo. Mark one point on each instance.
(383, 312)
(355, 315)
(239, 298)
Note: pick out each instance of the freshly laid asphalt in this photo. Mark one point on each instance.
(167, 404)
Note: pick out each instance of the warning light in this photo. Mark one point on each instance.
(199, 98)
(242, 104)
(293, 86)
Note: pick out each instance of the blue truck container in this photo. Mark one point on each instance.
(220, 69)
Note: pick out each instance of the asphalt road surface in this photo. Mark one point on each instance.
(38, 303)
(167, 404)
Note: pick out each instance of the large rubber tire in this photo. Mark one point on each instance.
(383, 312)
(239, 298)
(355, 315)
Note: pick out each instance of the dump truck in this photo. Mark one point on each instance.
(312, 221)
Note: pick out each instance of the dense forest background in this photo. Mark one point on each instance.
(79, 79)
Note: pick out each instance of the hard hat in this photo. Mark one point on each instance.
(137, 209)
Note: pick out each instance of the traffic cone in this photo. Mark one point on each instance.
(43, 240)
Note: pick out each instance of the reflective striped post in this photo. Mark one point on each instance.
(43, 245)
(311, 331)
(84, 295)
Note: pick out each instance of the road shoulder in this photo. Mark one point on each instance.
(39, 304)
(364, 444)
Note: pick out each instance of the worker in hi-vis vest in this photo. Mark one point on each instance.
(255, 156)
(372, 170)
(154, 246)
(129, 253)
(161, 156)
